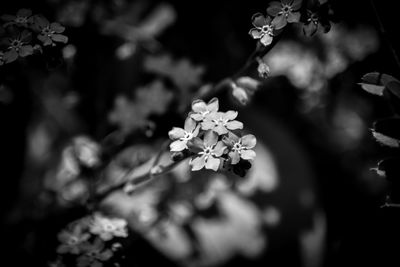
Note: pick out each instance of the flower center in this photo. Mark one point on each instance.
(220, 121)
(21, 19)
(286, 10)
(73, 240)
(237, 147)
(47, 31)
(267, 29)
(207, 152)
(16, 44)
(313, 18)
(109, 227)
(188, 136)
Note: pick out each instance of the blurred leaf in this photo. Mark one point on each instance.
(387, 132)
(376, 82)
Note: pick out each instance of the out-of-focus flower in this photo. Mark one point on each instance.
(222, 122)
(22, 18)
(200, 110)
(108, 228)
(264, 29)
(17, 44)
(262, 69)
(95, 255)
(73, 240)
(182, 136)
(240, 147)
(210, 152)
(86, 151)
(49, 33)
(285, 11)
(243, 88)
(317, 15)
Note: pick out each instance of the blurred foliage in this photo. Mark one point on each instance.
(84, 114)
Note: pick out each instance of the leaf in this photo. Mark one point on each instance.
(375, 82)
(373, 89)
(386, 140)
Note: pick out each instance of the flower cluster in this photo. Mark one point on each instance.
(280, 13)
(209, 138)
(17, 32)
(90, 241)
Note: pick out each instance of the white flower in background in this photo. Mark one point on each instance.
(95, 255)
(108, 228)
(87, 151)
(73, 239)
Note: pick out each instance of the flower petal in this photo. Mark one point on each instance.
(249, 141)
(258, 20)
(207, 125)
(279, 22)
(230, 115)
(310, 29)
(255, 33)
(199, 106)
(197, 163)
(296, 5)
(274, 8)
(196, 145)
(26, 50)
(266, 39)
(176, 133)
(219, 149)
(59, 38)
(57, 27)
(248, 154)
(41, 21)
(213, 163)
(210, 138)
(178, 145)
(45, 39)
(196, 131)
(196, 116)
(235, 157)
(10, 56)
(190, 125)
(213, 105)
(234, 125)
(293, 17)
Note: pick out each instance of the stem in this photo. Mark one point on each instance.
(385, 34)
(139, 180)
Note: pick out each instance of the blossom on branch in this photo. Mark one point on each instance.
(210, 151)
(284, 12)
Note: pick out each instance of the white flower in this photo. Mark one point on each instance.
(108, 228)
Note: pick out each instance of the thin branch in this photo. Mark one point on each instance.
(385, 34)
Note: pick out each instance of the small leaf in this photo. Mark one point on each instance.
(377, 78)
(373, 89)
(375, 82)
(386, 140)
